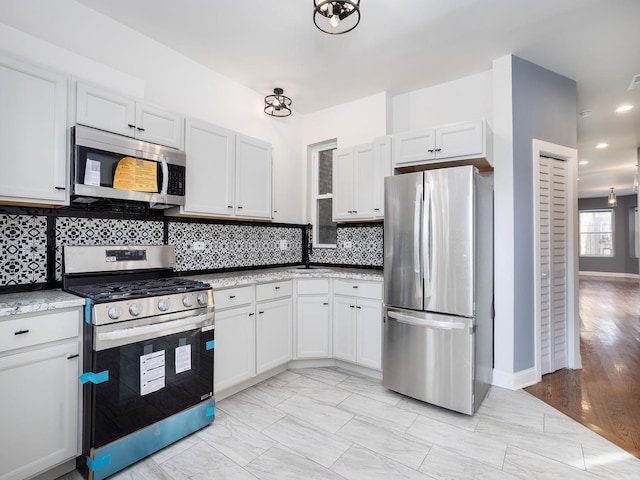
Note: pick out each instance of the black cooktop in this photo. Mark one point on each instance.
(102, 292)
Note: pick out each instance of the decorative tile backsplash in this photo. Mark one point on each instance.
(203, 245)
(23, 249)
(366, 247)
(104, 231)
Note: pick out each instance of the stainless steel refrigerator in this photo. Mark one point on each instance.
(438, 282)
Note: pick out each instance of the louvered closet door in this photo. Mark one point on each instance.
(552, 203)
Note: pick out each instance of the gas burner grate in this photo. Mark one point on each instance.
(136, 289)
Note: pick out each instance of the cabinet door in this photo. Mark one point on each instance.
(344, 328)
(343, 178)
(39, 409)
(274, 334)
(364, 181)
(382, 169)
(460, 140)
(409, 147)
(33, 133)
(234, 353)
(312, 327)
(105, 110)
(369, 334)
(253, 178)
(156, 125)
(210, 168)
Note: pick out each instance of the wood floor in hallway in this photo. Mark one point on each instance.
(605, 394)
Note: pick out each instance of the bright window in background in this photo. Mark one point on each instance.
(596, 233)
(325, 231)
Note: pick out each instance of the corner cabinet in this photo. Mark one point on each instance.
(228, 174)
(101, 108)
(39, 369)
(464, 142)
(33, 134)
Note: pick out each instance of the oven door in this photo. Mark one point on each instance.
(154, 369)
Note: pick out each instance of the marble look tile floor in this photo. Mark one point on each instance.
(328, 423)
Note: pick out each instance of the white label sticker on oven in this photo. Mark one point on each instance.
(92, 172)
(152, 372)
(183, 358)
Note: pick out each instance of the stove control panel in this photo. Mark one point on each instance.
(122, 310)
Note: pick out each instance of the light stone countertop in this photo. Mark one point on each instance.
(43, 300)
(249, 277)
(38, 301)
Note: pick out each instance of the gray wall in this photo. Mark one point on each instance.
(622, 261)
(544, 108)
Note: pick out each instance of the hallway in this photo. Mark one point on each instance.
(605, 394)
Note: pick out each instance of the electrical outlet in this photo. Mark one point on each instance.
(347, 244)
(197, 246)
(284, 244)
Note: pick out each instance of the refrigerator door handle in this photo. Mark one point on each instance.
(425, 241)
(421, 322)
(417, 215)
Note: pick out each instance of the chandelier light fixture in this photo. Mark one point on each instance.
(612, 201)
(278, 104)
(336, 16)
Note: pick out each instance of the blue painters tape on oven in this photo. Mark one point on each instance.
(211, 412)
(142, 443)
(210, 344)
(95, 377)
(87, 310)
(98, 463)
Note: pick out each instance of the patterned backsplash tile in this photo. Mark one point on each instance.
(366, 247)
(23, 249)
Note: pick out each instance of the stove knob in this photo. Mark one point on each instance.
(163, 305)
(114, 312)
(187, 301)
(202, 298)
(135, 309)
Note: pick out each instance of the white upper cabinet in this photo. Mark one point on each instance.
(465, 142)
(33, 134)
(210, 169)
(353, 183)
(228, 174)
(253, 178)
(107, 110)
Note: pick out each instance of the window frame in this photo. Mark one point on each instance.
(611, 212)
(314, 151)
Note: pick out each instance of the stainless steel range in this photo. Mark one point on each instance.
(147, 356)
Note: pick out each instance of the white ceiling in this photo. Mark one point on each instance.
(405, 45)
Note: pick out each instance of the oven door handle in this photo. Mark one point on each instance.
(126, 336)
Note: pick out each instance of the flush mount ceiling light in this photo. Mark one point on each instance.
(624, 108)
(612, 200)
(602, 145)
(336, 16)
(277, 105)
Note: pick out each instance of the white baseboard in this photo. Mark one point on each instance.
(609, 274)
(514, 380)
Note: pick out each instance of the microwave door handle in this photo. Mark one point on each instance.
(165, 176)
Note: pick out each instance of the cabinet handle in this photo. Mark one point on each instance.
(229, 206)
(131, 126)
(21, 332)
(239, 208)
(352, 306)
(358, 306)
(70, 357)
(140, 129)
(376, 209)
(438, 149)
(277, 288)
(354, 286)
(325, 303)
(430, 150)
(60, 188)
(251, 314)
(261, 312)
(232, 296)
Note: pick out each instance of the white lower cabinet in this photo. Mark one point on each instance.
(39, 369)
(357, 322)
(313, 320)
(234, 353)
(273, 337)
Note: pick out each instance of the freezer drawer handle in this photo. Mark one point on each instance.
(426, 323)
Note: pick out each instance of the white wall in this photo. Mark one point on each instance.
(467, 98)
(72, 38)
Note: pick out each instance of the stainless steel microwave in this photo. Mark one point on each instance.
(107, 168)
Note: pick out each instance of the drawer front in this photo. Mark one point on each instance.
(315, 286)
(358, 289)
(233, 297)
(35, 329)
(269, 291)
